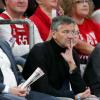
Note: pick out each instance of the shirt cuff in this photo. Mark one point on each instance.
(6, 89)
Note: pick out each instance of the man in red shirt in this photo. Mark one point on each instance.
(17, 34)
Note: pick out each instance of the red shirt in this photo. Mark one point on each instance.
(90, 32)
(42, 21)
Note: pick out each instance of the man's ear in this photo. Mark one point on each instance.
(50, 35)
(54, 34)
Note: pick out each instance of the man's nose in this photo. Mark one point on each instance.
(21, 0)
(71, 35)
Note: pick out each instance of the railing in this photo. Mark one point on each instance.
(22, 21)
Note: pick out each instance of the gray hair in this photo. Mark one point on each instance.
(61, 20)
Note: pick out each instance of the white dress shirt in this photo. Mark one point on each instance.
(5, 66)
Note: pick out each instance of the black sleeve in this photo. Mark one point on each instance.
(77, 82)
(36, 59)
(92, 71)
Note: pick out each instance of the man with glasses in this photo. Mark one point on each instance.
(59, 61)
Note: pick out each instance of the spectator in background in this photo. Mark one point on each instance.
(42, 26)
(17, 35)
(41, 13)
(80, 11)
(59, 61)
(96, 14)
(32, 6)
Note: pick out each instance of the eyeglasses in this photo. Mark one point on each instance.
(82, 1)
(71, 32)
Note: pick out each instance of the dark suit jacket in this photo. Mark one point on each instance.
(6, 48)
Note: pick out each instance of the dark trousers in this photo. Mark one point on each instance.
(92, 71)
(32, 96)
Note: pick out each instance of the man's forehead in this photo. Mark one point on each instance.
(68, 26)
(13, 0)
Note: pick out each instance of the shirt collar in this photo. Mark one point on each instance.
(58, 49)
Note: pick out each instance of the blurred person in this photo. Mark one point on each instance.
(11, 79)
(33, 4)
(92, 71)
(41, 13)
(17, 35)
(80, 11)
(59, 61)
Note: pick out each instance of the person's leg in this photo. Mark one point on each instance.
(64, 98)
(41, 96)
(20, 60)
(3, 98)
(11, 97)
(92, 99)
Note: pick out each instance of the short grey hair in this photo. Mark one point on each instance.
(61, 20)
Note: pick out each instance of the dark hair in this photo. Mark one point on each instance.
(96, 4)
(4, 2)
(61, 20)
(32, 6)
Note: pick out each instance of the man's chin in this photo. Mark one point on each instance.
(67, 46)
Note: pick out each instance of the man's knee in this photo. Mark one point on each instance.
(64, 98)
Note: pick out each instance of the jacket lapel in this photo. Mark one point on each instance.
(6, 48)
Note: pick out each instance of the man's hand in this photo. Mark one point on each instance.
(67, 55)
(85, 94)
(18, 91)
